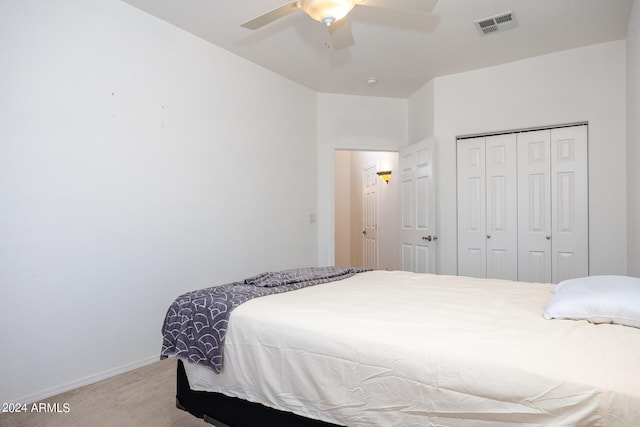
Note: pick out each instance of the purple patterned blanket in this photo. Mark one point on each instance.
(196, 322)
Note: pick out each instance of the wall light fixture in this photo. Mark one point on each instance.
(385, 175)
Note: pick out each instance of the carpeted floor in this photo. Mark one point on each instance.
(142, 397)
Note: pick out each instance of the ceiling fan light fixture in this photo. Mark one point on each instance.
(328, 20)
(327, 11)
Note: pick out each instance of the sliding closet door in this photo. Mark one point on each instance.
(523, 205)
(570, 204)
(502, 206)
(534, 206)
(487, 207)
(472, 241)
(553, 206)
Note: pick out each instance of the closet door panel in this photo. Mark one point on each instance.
(538, 266)
(570, 204)
(534, 206)
(502, 205)
(471, 208)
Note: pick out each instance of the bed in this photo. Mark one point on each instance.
(383, 348)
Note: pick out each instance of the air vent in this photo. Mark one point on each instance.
(493, 24)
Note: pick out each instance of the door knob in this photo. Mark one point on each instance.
(364, 232)
(429, 238)
(488, 236)
(548, 237)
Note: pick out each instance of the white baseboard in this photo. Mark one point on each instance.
(44, 394)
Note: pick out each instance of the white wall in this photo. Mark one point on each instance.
(633, 140)
(585, 84)
(420, 113)
(137, 162)
(342, 206)
(356, 123)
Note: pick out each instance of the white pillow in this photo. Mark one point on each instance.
(598, 299)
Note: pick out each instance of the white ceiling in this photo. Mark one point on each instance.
(402, 50)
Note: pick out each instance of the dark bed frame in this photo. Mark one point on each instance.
(225, 411)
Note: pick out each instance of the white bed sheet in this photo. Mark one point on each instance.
(403, 349)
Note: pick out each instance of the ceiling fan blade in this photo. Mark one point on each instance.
(271, 16)
(341, 35)
(422, 6)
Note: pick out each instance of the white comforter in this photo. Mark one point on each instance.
(403, 349)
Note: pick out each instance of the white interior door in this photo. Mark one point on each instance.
(502, 206)
(472, 231)
(553, 206)
(418, 239)
(570, 204)
(534, 206)
(370, 217)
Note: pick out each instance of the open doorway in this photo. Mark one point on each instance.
(366, 209)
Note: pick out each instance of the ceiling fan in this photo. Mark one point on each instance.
(333, 14)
